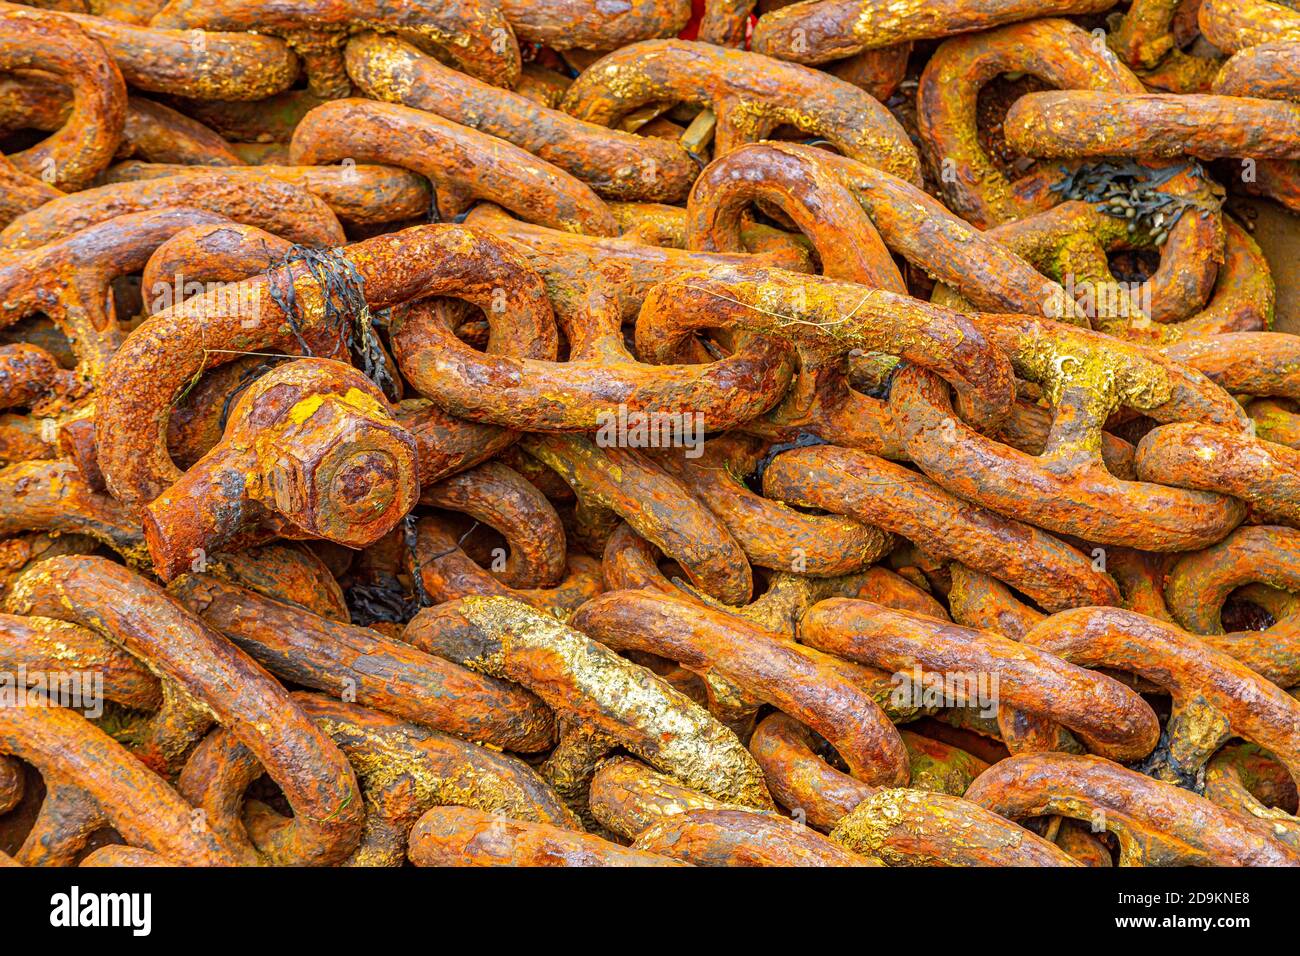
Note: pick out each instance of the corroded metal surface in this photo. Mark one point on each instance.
(586, 682)
(1112, 719)
(1156, 824)
(379, 673)
(463, 164)
(649, 432)
(615, 164)
(87, 140)
(751, 94)
(476, 36)
(761, 667)
(111, 600)
(461, 836)
(825, 30)
(313, 444)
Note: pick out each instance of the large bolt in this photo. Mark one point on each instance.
(311, 448)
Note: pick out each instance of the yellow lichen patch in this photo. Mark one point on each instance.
(630, 703)
(305, 409)
(363, 401)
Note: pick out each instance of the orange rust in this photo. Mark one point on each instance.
(92, 779)
(596, 694)
(617, 165)
(1262, 473)
(403, 770)
(570, 24)
(111, 600)
(276, 206)
(772, 534)
(726, 837)
(1156, 824)
(21, 193)
(31, 377)
(463, 164)
(888, 496)
(1028, 679)
(1055, 51)
(445, 572)
(152, 131)
(460, 836)
(207, 65)
(627, 797)
(1086, 123)
(826, 319)
(1086, 377)
(699, 532)
(1215, 697)
(67, 278)
(1146, 34)
(750, 94)
(221, 252)
(1235, 26)
(166, 351)
(311, 444)
(823, 30)
(382, 674)
(77, 152)
(1241, 777)
(753, 667)
(504, 500)
(630, 267)
(840, 204)
(360, 194)
(1198, 585)
(724, 21)
(627, 483)
(54, 496)
(476, 36)
(599, 386)
(1070, 242)
(901, 827)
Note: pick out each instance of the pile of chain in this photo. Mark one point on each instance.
(467, 432)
